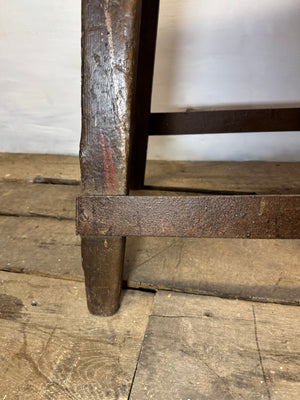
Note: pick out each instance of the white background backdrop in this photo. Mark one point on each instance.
(209, 53)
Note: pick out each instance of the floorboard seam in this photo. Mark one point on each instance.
(152, 289)
(140, 353)
(156, 288)
(176, 316)
(12, 270)
(259, 355)
(135, 371)
(36, 215)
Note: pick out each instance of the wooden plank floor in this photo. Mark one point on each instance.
(52, 348)
(27, 167)
(199, 347)
(195, 347)
(257, 270)
(43, 214)
(260, 177)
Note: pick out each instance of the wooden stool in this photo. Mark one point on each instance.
(118, 46)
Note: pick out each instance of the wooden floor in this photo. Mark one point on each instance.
(172, 338)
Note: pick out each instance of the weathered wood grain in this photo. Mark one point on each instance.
(259, 177)
(253, 176)
(109, 54)
(265, 270)
(59, 200)
(55, 201)
(199, 347)
(207, 216)
(258, 269)
(42, 246)
(26, 167)
(52, 348)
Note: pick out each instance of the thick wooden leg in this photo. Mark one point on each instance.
(146, 56)
(109, 52)
(102, 260)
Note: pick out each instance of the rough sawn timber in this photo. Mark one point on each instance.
(109, 52)
(201, 347)
(252, 176)
(20, 167)
(52, 348)
(36, 200)
(40, 246)
(252, 216)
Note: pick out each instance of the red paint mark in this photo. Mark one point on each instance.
(111, 167)
(106, 173)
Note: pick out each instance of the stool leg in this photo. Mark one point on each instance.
(145, 68)
(109, 51)
(102, 261)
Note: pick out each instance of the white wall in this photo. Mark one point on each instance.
(209, 53)
(40, 76)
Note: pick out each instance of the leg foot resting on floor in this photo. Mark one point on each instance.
(102, 260)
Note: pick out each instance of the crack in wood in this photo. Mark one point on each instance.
(259, 355)
(155, 255)
(137, 363)
(55, 181)
(35, 215)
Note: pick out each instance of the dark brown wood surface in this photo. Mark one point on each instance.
(109, 40)
(52, 348)
(109, 56)
(252, 217)
(142, 106)
(225, 121)
(200, 347)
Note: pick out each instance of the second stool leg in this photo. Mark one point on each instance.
(145, 68)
